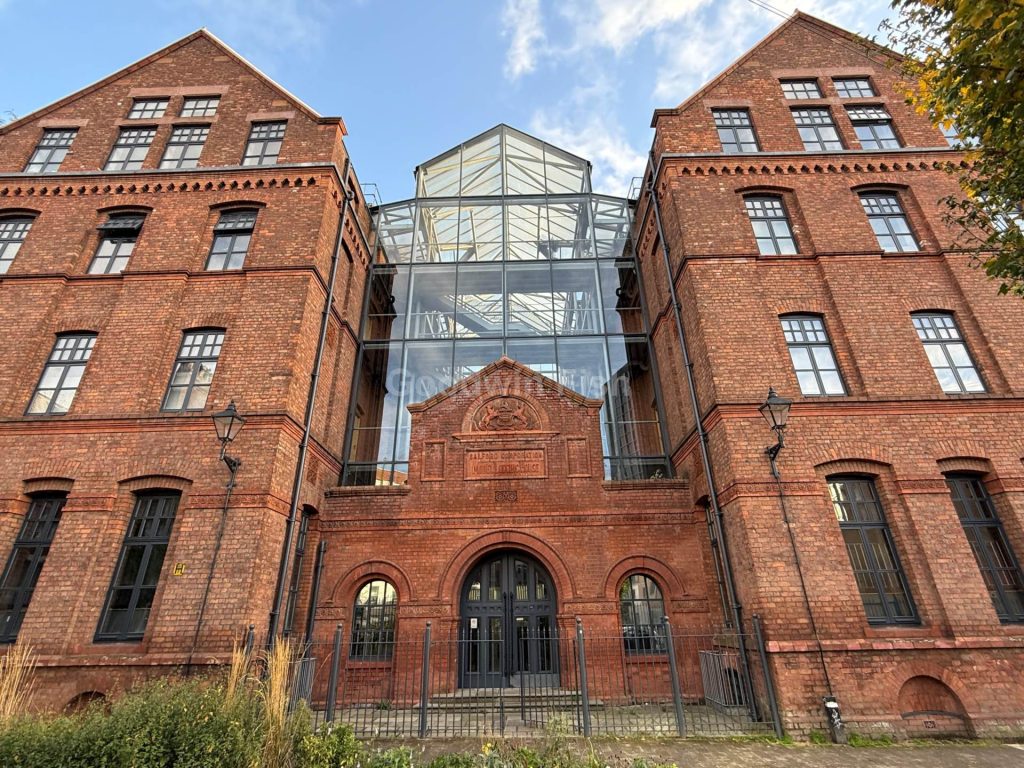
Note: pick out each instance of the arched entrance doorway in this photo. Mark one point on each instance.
(507, 624)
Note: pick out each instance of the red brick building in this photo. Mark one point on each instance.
(509, 403)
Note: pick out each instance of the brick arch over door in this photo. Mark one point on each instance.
(458, 567)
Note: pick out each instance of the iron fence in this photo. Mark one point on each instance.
(523, 682)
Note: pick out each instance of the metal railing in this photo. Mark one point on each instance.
(590, 683)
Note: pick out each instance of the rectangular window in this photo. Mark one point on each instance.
(735, 130)
(26, 562)
(889, 223)
(131, 149)
(51, 150)
(231, 236)
(117, 241)
(264, 143)
(880, 579)
(193, 370)
(185, 146)
(873, 127)
(947, 353)
(771, 225)
(62, 374)
(801, 89)
(992, 551)
(133, 587)
(12, 234)
(817, 130)
(147, 109)
(811, 352)
(200, 106)
(854, 88)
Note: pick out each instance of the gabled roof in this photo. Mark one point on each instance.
(504, 363)
(198, 34)
(798, 17)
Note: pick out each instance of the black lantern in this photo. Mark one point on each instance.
(776, 412)
(228, 424)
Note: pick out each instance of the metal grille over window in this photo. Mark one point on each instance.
(293, 587)
(51, 150)
(264, 143)
(880, 579)
(735, 130)
(185, 146)
(642, 609)
(373, 622)
(854, 88)
(133, 588)
(996, 559)
(801, 89)
(947, 353)
(147, 109)
(200, 106)
(193, 371)
(131, 149)
(231, 237)
(873, 127)
(117, 242)
(771, 226)
(817, 130)
(889, 223)
(26, 562)
(62, 374)
(811, 352)
(12, 234)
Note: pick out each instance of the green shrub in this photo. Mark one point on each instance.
(396, 757)
(333, 746)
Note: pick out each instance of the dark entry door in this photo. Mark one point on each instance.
(507, 629)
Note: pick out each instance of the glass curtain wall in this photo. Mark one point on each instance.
(504, 251)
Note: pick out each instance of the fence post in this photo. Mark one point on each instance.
(677, 698)
(424, 681)
(332, 685)
(769, 684)
(250, 639)
(584, 690)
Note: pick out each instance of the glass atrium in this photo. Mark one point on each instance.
(503, 251)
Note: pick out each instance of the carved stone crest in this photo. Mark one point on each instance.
(505, 414)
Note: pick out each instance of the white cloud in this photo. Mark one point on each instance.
(521, 22)
(617, 24)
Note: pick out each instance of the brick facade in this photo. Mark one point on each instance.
(536, 484)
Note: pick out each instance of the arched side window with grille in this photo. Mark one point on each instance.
(642, 609)
(373, 622)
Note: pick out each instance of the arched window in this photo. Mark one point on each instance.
(642, 609)
(373, 621)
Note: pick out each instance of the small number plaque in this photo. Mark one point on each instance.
(179, 569)
(506, 497)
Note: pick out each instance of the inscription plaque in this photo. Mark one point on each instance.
(504, 463)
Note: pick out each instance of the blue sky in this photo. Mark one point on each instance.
(413, 78)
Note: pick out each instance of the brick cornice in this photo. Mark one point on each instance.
(803, 163)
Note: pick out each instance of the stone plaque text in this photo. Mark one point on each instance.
(503, 463)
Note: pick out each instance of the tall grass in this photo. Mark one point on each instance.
(273, 690)
(16, 670)
(236, 682)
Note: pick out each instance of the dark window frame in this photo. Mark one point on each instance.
(861, 528)
(301, 540)
(53, 142)
(977, 512)
(873, 127)
(263, 135)
(70, 351)
(642, 638)
(200, 340)
(185, 136)
(729, 123)
(814, 337)
(151, 108)
(858, 91)
(14, 231)
(121, 231)
(770, 209)
(200, 106)
(886, 208)
(814, 121)
(149, 534)
(368, 642)
(796, 89)
(232, 236)
(132, 138)
(31, 548)
(940, 331)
